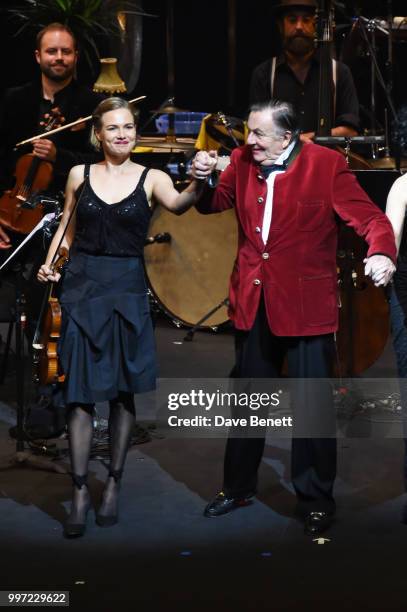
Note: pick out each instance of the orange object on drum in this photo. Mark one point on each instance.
(190, 274)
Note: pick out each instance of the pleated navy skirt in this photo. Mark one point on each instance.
(107, 340)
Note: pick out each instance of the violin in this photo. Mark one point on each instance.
(32, 175)
(47, 333)
(45, 343)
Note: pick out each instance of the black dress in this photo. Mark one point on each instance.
(107, 341)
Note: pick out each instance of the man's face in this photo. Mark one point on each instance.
(267, 144)
(57, 56)
(298, 31)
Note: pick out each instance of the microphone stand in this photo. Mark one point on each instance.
(22, 456)
(372, 25)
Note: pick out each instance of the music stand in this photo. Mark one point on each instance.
(23, 456)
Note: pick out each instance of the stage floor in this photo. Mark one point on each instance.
(165, 556)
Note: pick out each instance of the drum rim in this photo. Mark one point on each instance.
(169, 313)
(175, 318)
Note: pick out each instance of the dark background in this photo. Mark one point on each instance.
(202, 80)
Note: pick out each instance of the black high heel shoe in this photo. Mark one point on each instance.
(71, 529)
(108, 520)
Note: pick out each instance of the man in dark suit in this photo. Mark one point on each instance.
(283, 290)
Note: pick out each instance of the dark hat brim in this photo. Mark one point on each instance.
(284, 8)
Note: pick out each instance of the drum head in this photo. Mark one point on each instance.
(190, 274)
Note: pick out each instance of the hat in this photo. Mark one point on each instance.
(303, 5)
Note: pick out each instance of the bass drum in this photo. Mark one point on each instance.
(189, 275)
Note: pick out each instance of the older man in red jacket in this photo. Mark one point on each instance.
(283, 290)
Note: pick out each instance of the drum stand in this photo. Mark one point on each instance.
(23, 457)
(190, 335)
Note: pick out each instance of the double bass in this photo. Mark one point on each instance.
(363, 310)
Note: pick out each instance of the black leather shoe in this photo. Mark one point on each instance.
(74, 530)
(317, 522)
(107, 521)
(222, 504)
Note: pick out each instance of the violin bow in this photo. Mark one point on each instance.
(68, 125)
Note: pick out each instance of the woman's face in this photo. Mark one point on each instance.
(118, 132)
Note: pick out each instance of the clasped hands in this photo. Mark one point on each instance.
(203, 164)
(380, 268)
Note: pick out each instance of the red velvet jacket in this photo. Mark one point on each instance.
(296, 269)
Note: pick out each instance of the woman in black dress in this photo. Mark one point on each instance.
(107, 347)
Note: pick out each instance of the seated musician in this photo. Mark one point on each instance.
(23, 110)
(293, 76)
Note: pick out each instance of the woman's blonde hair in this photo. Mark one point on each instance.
(103, 107)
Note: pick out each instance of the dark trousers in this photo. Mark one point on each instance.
(260, 354)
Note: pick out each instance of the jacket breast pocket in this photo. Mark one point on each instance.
(310, 215)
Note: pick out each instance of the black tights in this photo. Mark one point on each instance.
(121, 421)
(80, 429)
(80, 432)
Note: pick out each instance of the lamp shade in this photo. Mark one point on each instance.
(109, 80)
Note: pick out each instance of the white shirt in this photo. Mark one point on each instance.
(268, 209)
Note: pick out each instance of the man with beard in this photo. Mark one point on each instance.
(294, 75)
(21, 116)
(24, 107)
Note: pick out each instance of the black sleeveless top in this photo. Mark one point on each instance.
(118, 229)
